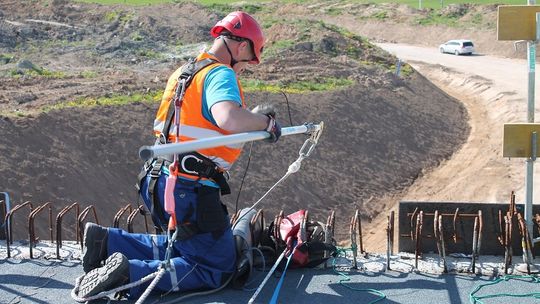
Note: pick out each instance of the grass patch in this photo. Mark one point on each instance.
(115, 100)
(437, 3)
(434, 18)
(299, 87)
(88, 74)
(382, 15)
(17, 73)
(150, 54)
(6, 58)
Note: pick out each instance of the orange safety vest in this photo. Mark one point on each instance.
(193, 125)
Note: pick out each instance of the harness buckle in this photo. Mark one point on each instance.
(183, 164)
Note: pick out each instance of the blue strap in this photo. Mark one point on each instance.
(278, 287)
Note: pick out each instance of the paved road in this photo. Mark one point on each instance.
(508, 75)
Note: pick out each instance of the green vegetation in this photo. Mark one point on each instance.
(380, 15)
(223, 3)
(115, 100)
(6, 58)
(435, 17)
(88, 74)
(299, 87)
(17, 73)
(441, 3)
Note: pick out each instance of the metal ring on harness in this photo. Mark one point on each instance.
(183, 164)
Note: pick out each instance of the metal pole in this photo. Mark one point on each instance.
(531, 60)
(148, 152)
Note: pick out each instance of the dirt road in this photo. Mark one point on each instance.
(494, 91)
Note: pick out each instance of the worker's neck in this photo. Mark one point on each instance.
(221, 54)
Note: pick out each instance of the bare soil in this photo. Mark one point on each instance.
(381, 134)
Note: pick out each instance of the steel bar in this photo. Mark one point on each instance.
(360, 235)
(276, 232)
(6, 209)
(390, 237)
(475, 244)
(257, 225)
(455, 236)
(82, 217)
(352, 233)
(329, 232)
(140, 210)
(413, 227)
(500, 236)
(148, 152)
(303, 227)
(480, 229)
(9, 230)
(418, 237)
(507, 242)
(525, 242)
(31, 228)
(59, 219)
(436, 232)
(120, 213)
(443, 249)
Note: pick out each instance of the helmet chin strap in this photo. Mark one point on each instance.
(233, 60)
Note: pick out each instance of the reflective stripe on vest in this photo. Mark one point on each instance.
(193, 125)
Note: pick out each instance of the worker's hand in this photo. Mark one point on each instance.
(273, 128)
(265, 109)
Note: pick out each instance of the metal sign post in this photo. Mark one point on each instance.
(522, 22)
(531, 59)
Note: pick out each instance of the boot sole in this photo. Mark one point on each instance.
(103, 278)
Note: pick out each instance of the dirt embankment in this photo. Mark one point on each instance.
(381, 133)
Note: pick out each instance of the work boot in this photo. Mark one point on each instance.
(113, 274)
(95, 246)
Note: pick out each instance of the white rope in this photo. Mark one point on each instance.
(152, 285)
(104, 294)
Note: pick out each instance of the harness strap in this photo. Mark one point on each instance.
(188, 71)
(157, 211)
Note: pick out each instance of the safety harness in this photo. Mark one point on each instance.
(192, 163)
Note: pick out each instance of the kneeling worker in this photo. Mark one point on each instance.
(203, 256)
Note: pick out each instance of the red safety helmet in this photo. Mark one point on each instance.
(241, 24)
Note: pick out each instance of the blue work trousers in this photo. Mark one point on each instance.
(197, 263)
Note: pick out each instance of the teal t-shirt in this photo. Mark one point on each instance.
(220, 85)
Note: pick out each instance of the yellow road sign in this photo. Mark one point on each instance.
(517, 22)
(517, 139)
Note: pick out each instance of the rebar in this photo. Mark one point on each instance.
(507, 242)
(9, 232)
(140, 210)
(257, 225)
(475, 244)
(418, 236)
(390, 238)
(120, 213)
(525, 242)
(329, 232)
(352, 233)
(443, 249)
(31, 229)
(59, 219)
(82, 217)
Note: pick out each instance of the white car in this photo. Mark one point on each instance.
(457, 47)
